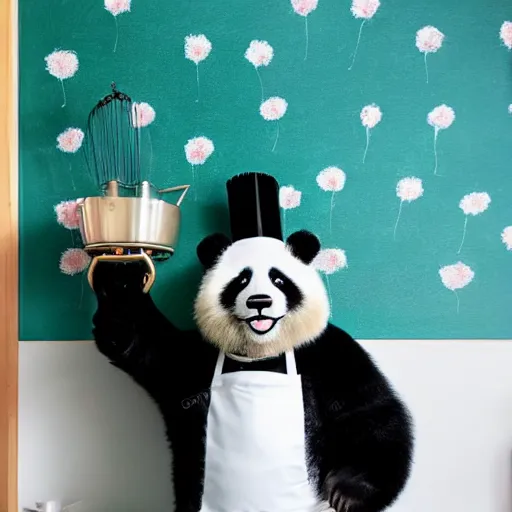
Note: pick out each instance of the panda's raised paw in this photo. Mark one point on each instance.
(115, 278)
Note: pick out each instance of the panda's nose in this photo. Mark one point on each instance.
(259, 302)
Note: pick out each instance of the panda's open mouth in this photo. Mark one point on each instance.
(261, 324)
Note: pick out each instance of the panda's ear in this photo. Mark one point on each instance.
(210, 248)
(304, 245)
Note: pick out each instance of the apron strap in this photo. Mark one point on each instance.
(219, 365)
(291, 367)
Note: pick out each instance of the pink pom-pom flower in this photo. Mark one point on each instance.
(364, 9)
(304, 7)
(329, 261)
(475, 203)
(506, 34)
(273, 109)
(289, 197)
(74, 261)
(371, 116)
(259, 53)
(143, 114)
(506, 237)
(457, 276)
(429, 39)
(197, 48)
(68, 214)
(116, 7)
(331, 179)
(198, 150)
(409, 189)
(70, 140)
(441, 117)
(62, 64)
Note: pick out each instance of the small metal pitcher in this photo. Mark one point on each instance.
(131, 225)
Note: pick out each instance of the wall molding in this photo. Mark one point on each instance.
(9, 256)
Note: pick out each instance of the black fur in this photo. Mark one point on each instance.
(234, 287)
(359, 434)
(211, 248)
(304, 245)
(294, 297)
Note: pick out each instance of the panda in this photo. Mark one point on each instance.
(267, 406)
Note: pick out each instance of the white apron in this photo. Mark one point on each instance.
(255, 443)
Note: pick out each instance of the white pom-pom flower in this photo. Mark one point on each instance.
(74, 261)
(259, 53)
(429, 39)
(329, 261)
(273, 109)
(506, 237)
(117, 7)
(197, 48)
(289, 197)
(143, 114)
(198, 150)
(331, 179)
(506, 34)
(70, 140)
(68, 214)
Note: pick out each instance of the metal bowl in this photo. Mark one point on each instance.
(116, 228)
(108, 223)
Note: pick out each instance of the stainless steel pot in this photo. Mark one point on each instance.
(142, 227)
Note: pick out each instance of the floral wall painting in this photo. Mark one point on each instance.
(455, 277)
(70, 141)
(117, 7)
(197, 151)
(274, 109)
(143, 114)
(74, 261)
(429, 39)
(472, 204)
(67, 214)
(387, 124)
(289, 199)
(407, 190)
(363, 10)
(440, 118)
(371, 116)
(62, 64)
(197, 49)
(506, 34)
(331, 179)
(506, 237)
(329, 261)
(304, 8)
(259, 53)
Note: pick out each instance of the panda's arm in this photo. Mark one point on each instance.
(128, 327)
(367, 429)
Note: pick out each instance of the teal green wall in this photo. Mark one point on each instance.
(391, 288)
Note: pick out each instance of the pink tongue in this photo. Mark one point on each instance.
(262, 325)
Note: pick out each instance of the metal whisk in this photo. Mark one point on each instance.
(112, 143)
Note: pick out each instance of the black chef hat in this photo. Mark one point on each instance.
(253, 200)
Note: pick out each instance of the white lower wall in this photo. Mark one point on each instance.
(86, 431)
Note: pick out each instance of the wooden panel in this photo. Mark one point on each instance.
(8, 259)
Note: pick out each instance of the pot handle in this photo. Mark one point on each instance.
(150, 276)
(176, 189)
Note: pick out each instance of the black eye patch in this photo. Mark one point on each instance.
(234, 287)
(290, 290)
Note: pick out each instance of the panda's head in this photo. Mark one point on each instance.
(260, 296)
